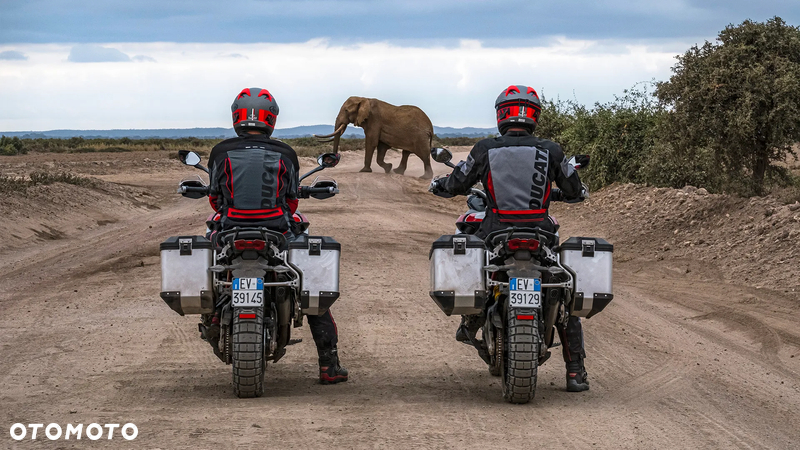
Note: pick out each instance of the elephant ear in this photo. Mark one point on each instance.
(363, 112)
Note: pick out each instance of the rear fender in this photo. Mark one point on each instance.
(246, 268)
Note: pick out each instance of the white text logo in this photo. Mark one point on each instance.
(93, 431)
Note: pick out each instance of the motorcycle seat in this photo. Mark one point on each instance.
(251, 234)
(496, 237)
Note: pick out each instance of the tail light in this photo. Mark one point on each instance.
(241, 244)
(523, 244)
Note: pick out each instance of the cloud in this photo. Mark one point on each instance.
(455, 85)
(235, 55)
(348, 21)
(143, 58)
(90, 53)
(11, 55)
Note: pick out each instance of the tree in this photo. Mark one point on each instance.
(739, 97)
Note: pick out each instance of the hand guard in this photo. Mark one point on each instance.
(437, 187)
(582, 160)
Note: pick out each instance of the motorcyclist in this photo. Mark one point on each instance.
(517, 170)
(254, 182)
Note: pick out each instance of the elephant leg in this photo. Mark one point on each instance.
(382, 148)
(370, 149)
(428, 170)
(401, 169)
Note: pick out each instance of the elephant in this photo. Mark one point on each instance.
(386, 126)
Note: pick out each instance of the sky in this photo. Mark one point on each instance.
(109, 64)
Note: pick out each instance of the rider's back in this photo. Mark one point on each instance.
(517, 170)
(254, 182)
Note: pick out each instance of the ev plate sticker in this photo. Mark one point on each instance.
(247, 292)
(525, 292)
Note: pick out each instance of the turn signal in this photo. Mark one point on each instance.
(523, 244)
(241, 244)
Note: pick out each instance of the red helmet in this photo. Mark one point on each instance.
(517, 106)
(254, 109)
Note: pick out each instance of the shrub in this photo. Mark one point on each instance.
(12, 146)
(740, 98)
(620, 136)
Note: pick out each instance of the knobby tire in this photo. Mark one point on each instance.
(521, 360)
(249, 364)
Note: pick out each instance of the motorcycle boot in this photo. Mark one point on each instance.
(330, 371)
(577, 378)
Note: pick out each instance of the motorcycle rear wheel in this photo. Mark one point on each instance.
(521, 358)
(249, 364)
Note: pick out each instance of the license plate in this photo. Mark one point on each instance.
(525, 292)
(248, 292)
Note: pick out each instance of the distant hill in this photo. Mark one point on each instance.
(222, 133)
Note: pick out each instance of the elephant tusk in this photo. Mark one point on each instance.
(338, 131)
(325, 140)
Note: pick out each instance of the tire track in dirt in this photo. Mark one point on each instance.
(676, 358)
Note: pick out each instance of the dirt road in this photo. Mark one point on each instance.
(682, 358)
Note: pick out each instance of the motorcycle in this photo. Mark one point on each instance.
(249, 284)
(515, 286)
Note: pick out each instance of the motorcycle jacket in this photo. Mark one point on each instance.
(516, 170)
(254, 182)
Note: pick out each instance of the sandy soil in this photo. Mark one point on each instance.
(689, 354)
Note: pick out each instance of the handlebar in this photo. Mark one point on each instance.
(307, 191)
(556, 195)
(193, 189)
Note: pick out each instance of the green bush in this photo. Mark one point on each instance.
(740, 97)
(12, 146)
(620, 136)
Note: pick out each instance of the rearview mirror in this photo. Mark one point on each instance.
(189, 158)
(441, 155)
(328, 159)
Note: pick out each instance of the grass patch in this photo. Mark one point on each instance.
(10, 184)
